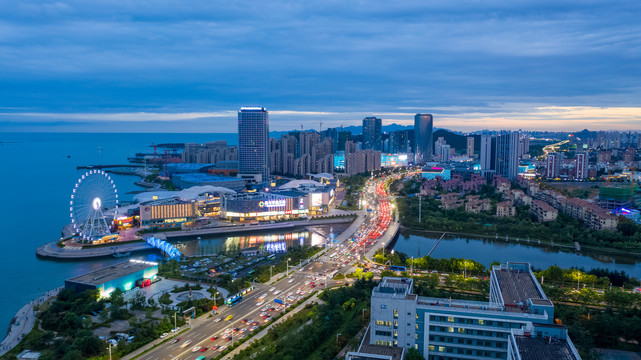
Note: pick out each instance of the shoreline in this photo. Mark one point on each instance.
(22, 323)
(51, 251)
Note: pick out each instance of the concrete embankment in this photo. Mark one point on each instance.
(169, 235)
(52, 251)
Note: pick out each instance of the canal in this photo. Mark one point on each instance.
(263, 241)
(485, 251)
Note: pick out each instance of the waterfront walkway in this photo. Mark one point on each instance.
(51, 250)
(23, 322)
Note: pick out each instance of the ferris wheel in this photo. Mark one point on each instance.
(94, 193)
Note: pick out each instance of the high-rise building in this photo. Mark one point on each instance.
(507, 154)
(553, 165)
(470, 146)
(423, 124)
(582, 165)
(372, 133)
(253, 144)
(488, 156)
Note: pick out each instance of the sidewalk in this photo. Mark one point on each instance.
(24, 321)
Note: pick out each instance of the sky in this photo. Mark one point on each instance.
(188, 66)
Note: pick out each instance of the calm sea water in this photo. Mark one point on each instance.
(486, 251)
(36, 178)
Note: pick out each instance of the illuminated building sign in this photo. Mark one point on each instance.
(273, 203)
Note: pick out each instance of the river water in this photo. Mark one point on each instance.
(485, 251)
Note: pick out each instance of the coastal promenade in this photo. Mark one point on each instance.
(52, 251)
(23, 322)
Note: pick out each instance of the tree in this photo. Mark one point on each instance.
(165, 299)
(117, 297)
(413, 354)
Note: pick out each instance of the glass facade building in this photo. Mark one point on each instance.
(423, 124)
(253, 142)
(372, 133)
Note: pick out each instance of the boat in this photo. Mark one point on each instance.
(121, 254)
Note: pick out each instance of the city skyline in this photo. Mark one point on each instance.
(116, 66)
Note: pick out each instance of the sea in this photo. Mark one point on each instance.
(37, 174)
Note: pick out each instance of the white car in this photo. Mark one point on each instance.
(185, 343)
(195, 348)
(174, 330)
(276, 292)
(260, 303)
(218, 320)
(291, 281)
(272, 289)
(164, 335)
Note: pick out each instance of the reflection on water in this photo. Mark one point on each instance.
(487, 250)
(268, 242)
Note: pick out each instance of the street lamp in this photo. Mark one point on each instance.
(287, 271)
(271, 275)
(109, 351)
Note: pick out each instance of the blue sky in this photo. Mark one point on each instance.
(188, 66)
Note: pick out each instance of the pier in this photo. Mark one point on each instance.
(100, 167)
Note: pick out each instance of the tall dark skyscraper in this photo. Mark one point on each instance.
(372, 133)
(253, 144)
(423, 124)
(507, 154)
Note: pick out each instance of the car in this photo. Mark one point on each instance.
(260, 303)
(200, 358)
(223, 348)
(228, 339)
(174, 330)
(291, 281)
(195, 349)
(218, 320)
(214, 338)
(185, 344)
(174, 341)
(243, 330)
(164, 335)
(272, 289)
(253, 328)
(203, 349)
(236, 330)
(276, 292)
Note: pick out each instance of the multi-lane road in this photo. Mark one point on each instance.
(214, 333)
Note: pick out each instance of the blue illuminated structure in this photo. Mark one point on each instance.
(171, 251)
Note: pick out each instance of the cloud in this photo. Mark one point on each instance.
(320, 58)
(494, 116)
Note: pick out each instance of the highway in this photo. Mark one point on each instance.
(340, 257)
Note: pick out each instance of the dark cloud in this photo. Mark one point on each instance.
(362, 56)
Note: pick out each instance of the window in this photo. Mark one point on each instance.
(416, 326)
(395, 313)
(395, 324)
(430, 348)
(383, 323)
(481, 322)
(461, 331)
(450, 319)
(441, 348)
(395, 333)
(416, 346)
(450, 329)
(383, 333)
(383, 306)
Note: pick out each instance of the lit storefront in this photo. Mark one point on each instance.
(169, 213)
(262, 206)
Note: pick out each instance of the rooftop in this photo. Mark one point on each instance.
(540, 349)
(112, 272)
(517, 285)
(395, 353)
